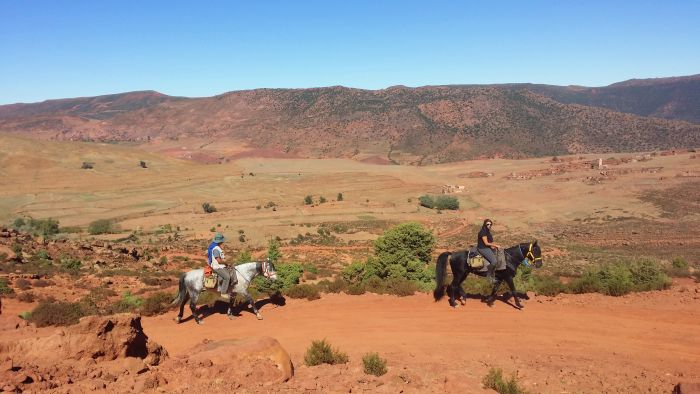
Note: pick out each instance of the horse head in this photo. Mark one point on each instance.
(268, 270)
(533, 255)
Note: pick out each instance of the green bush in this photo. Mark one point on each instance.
(320, 352)
(494, 380)
(128, 303)
(548, 285)
(70, 264)
(589, 282)
(321, 200)
(156, 304)
(680, 263)
(310, 292)
(648, 275)
(400, 287)
(273, 250)
(621, 278)
(288, 275)
(42, 254)
(373, 364)
(446, 202)
(308, 200)
(355, 289)
(100, 226)
(5, 287)
(18, 223)
(208, 208)
(44, 227)
(426, 201)
(58, 313)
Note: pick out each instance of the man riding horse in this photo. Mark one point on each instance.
(215, 259)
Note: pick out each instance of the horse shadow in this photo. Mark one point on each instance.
(221, 307)
(504, 298)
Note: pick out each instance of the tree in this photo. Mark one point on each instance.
(208, 208)
(273, 250)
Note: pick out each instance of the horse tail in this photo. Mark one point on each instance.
(182, 289)
(440, 269)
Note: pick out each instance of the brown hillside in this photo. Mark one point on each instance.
(406, 125)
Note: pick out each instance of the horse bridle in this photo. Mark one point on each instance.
(266, 268)
(529, 256)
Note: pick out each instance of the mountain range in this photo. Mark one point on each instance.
(421, 125)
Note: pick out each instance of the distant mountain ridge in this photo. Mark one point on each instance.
(407, 125)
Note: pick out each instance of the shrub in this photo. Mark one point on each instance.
(402, 252)
(25, 297)
(308, 200)
(426, 201)
(616, 280)
(589, 282)
(17, 249)
(42, 254)
(42, 283)
(446, 202)
(100, 226)
(163, 260)
(44, 227)
(208, 208)
(70, 264)
(156, 304)
(373, 364)
(494, 380)
(87, 165)
(244, 257)
(355, 289)
(648, 275)
(57, 313)
(5, 287)
(23, 284)
(340, 197)
(142, 164)
(321, 200)
(337, 285)
(128, 303)
(400, 287)
(18, 223)
(353, 272)
(320, 352)
(680, 263)
(288, 275)
(548, 285)
(310, 292)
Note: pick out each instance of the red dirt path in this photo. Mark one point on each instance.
(570, 343)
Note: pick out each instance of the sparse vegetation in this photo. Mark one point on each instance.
(208, 208)
(373, 364)
(308, 200)
(273, 250)
(87, 165)
(59, 313)
(142, 164)
(5, 287)
(340, 197)
(494, 380)
(320, 352)
(321, 200)
(310, 292)
(101, 226)
(156, 304)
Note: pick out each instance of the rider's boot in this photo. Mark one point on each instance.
(490, 273)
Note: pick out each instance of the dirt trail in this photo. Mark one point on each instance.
(570, 343)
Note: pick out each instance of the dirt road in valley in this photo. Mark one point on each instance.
(570, 343)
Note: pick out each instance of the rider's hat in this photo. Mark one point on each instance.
(219, 238)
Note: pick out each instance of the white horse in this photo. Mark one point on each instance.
(192, 284)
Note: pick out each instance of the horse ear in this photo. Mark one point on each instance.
(534, 242)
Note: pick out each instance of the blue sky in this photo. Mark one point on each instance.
(58, 49)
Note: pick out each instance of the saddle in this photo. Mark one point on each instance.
(478, 262)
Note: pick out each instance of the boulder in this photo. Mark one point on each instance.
(257, 359)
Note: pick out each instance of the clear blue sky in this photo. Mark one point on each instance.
(57, 49)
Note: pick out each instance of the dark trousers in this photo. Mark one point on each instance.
(225, 279)
(490, 256)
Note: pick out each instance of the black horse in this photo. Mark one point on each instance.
(524, 253)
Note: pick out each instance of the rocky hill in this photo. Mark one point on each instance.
(408, 125)
(669, 98)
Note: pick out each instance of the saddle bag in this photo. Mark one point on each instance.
(210, 278)
(476, 262)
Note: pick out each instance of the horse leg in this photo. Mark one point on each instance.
(452, 289)
(511, 286)
(252, 304)
(193, 308)
(178, 319)
(229, 313)
(492, 297)
(462, 293)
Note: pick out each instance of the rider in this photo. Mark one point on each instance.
(487, 248)
(215, 257)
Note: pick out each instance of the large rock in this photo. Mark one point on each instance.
(242, 358)
(95, 337)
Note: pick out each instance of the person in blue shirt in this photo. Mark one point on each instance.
(215, 260)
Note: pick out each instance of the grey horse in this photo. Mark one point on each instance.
(192, 284)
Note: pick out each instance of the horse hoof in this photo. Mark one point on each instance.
(178, 320)
(199, 322)
(231, 317)
(259, 317)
